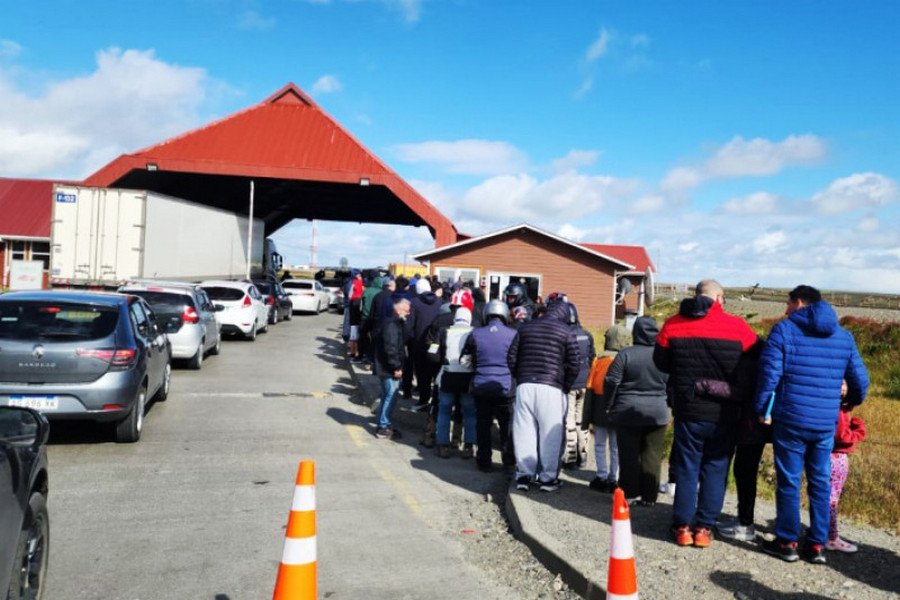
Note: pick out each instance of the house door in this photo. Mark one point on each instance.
(497, 282)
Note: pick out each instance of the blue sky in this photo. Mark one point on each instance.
(752, 141)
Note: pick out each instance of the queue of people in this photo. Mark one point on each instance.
(530, 368)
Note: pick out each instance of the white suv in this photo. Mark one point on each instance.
(244, 308)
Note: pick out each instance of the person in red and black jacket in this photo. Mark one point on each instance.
(701, 348)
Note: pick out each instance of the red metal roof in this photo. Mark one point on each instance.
(287, 136)
(633, 255)
(25, 207)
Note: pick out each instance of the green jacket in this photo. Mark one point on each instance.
(369, 294)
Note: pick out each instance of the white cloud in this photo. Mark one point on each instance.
(575, 159)
(860, 190)
(514, 198)
(473, 157)
(759, 203)
(571, 232)
(9, 49)
(327, 84)
(76, 125)
(641, 40)
(647, 205)
(598, 47)
(253, 21)
(868, 225)
(742, 158)
(688, 247)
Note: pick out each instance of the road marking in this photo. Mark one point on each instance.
(357, 434)
(406, 493)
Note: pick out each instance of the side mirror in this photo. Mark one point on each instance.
(218, 307)
(23, 427)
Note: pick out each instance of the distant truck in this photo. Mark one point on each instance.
(102, 237)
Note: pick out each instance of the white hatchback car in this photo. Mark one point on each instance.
(307, 295)
(245, 310)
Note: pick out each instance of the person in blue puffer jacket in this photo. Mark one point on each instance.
(802, 365)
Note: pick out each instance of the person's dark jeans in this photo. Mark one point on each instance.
(640, 460)
(487, 409)
(425, 372)
(406, 383)
(702, 456)
(746, 469)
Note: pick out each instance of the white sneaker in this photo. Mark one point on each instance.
(839, 545)
(667, 488)
(736, 531)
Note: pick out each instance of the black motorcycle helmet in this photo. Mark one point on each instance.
(515, 295)
(573, 314)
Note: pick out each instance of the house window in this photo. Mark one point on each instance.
(461, 274)
(41, 251)
(18, 250)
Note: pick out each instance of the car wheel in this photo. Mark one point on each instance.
(275, 317)
(265, 328)
(289, 315)
(32, 552)
(197, 360)
(129, 429)
(252, 335)
(163, 393)
(218, 347)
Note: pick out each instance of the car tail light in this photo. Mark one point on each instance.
(113, 407)
(247, 301)
(118, 358)
(190, 315)
(270, 300)
(311, 294)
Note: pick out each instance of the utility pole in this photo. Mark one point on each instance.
(250, 232)
(314, 247)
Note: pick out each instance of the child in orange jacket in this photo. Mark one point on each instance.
(850, 431)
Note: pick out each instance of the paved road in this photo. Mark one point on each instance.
(196, 509)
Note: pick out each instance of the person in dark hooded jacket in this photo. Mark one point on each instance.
(425, 307)
(545, 361)
(635, 393)
(701, 349)
(576, 436)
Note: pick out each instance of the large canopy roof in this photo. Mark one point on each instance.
(303, 164)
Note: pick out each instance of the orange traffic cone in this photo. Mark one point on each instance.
(297, 573)
(621, 583)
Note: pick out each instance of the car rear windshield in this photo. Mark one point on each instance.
(56, 321)
(330, 282)
(264, 288)
(165, 302)
(298, 285)
(224, 293)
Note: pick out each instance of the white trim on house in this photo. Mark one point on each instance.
(419, 256)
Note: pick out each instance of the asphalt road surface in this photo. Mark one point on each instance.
(197, 508)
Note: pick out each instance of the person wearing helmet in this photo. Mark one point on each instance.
(492, 387)
(515, 297)
(576, 436)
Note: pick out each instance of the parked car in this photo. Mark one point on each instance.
(280, 307)
(83, 355)
(185, 313)
(24, 523)
(244, 311)
(307, 295)
(334, 287)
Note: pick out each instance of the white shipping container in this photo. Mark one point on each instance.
(104, 236)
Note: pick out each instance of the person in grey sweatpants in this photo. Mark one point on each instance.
(545, 360)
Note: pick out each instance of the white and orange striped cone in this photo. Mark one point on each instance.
(297, 572)
(621, 582)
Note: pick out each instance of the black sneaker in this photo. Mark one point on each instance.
(384, 433)
(815, 553)
(550, 486)
(784, 551)
(522, 483)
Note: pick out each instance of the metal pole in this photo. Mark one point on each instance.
(250, 231)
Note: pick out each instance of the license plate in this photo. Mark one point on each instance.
(35, 402)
